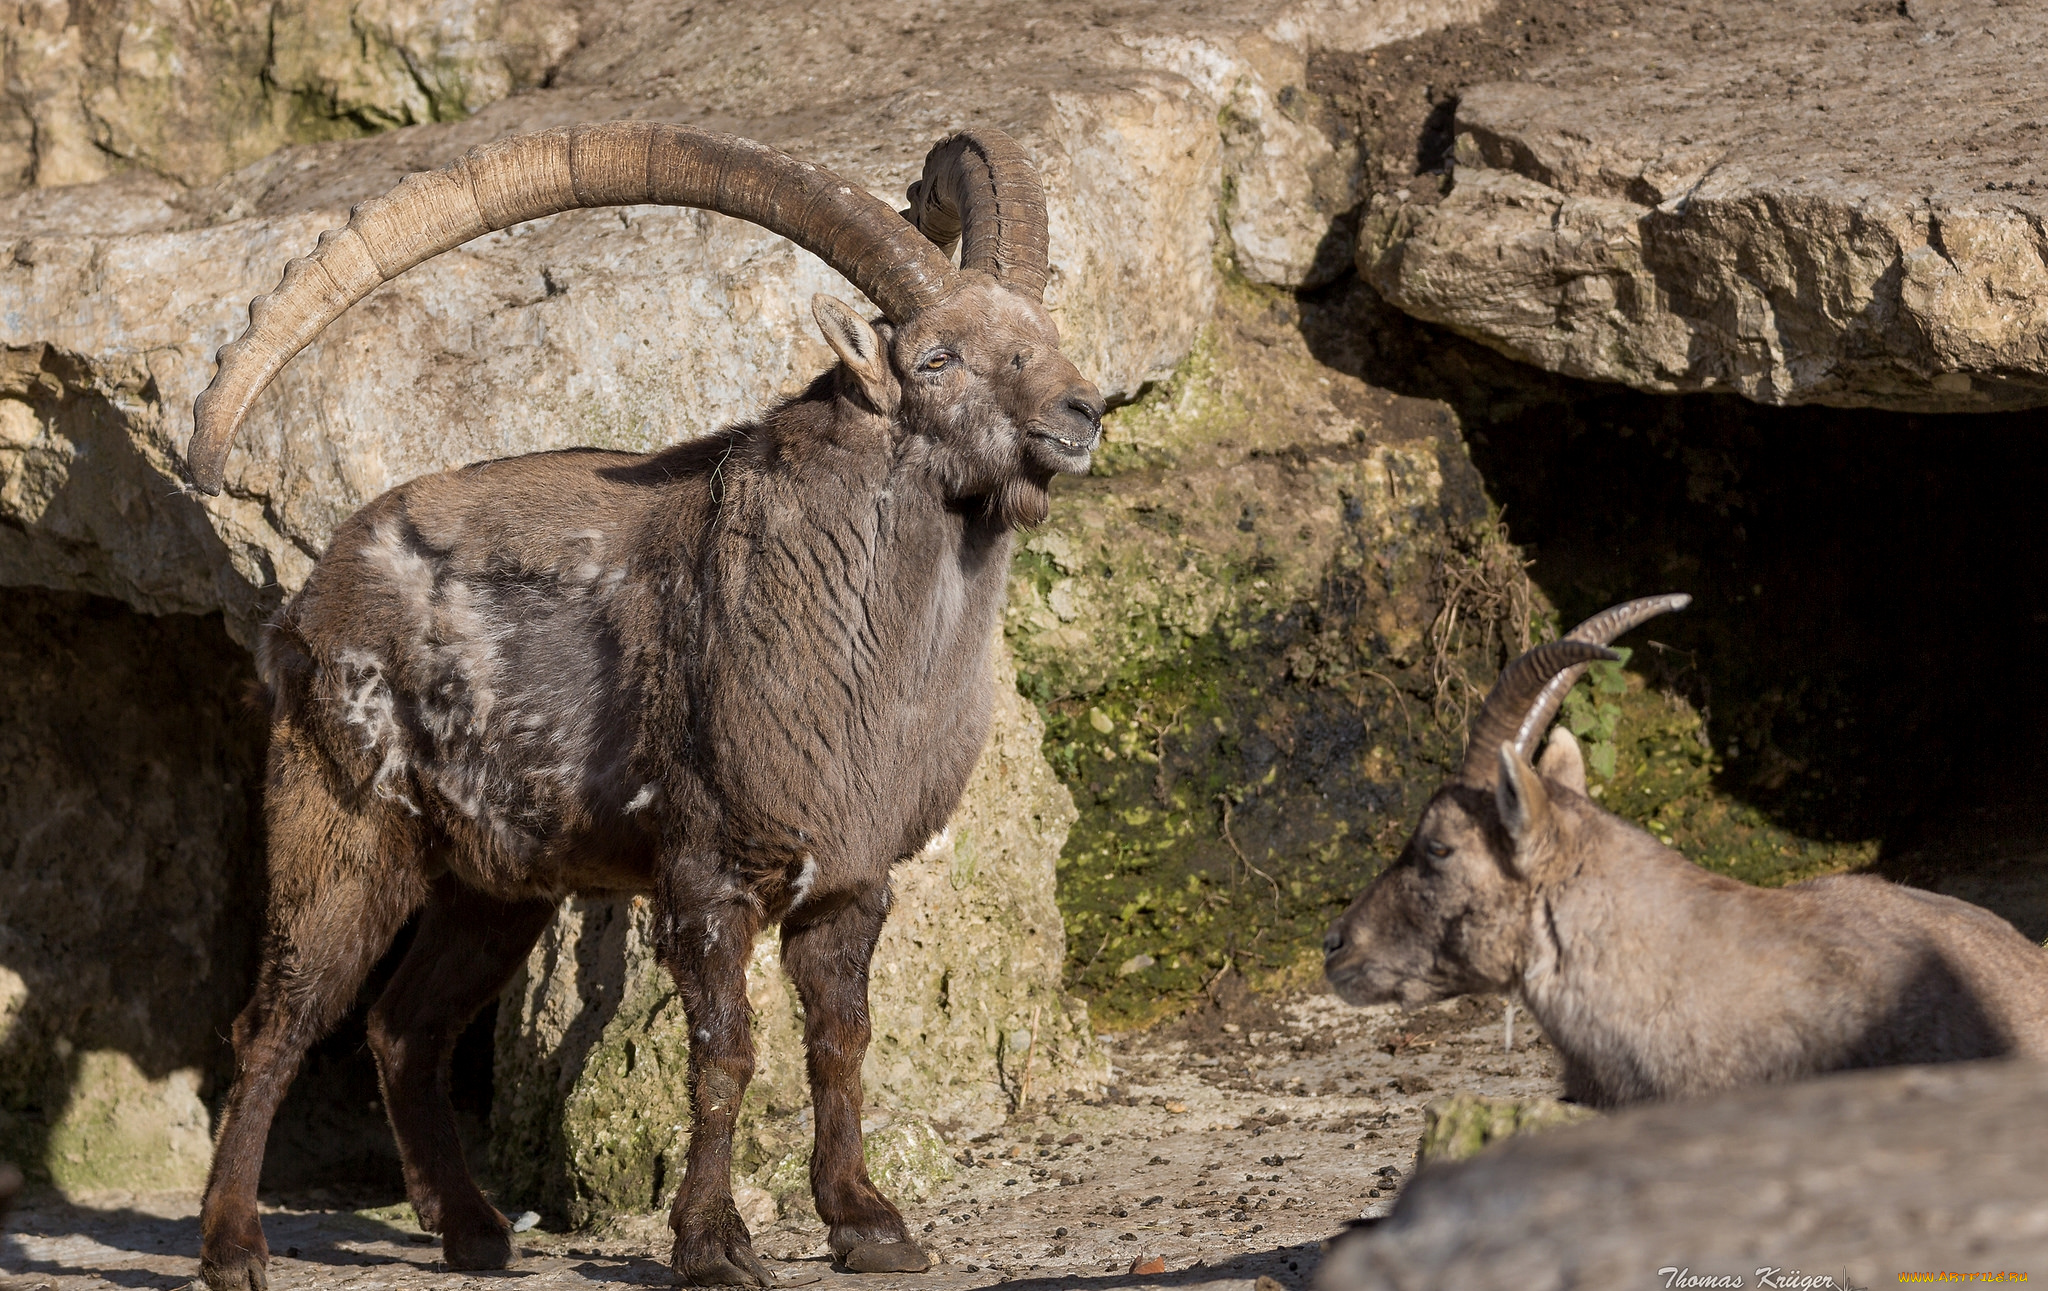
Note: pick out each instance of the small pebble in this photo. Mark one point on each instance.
(528, 1220)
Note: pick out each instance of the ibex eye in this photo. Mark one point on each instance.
(938, 361)
(1437, 851)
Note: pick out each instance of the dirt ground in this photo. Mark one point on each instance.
(1235, 1141)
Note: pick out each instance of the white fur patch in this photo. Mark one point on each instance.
(806, 878)
(641, 799)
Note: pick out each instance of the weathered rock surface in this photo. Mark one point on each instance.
(1799, 202)
(634, 327)
(129, 894)
(592, 1084)
(1864, 1175)
(193, 92)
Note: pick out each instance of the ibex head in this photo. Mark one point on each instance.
(1451, 915)
(966, 365)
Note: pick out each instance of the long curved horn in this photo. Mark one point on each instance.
(1519, 685)
(981, 186)
(1601, 629)
(617, 163)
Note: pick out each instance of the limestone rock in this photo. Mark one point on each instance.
(592, 1106)
(1791, 201)
(1183, 563)
(194, 92)
(624, 328)
(1859, 1175)
(1290, 172)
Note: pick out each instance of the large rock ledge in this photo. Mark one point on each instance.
(1799, 202)
(630, 327)
(1864, 1177)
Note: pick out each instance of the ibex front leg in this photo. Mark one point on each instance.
(705, 944)
(826, 950)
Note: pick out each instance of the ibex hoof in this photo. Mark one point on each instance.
(244, 1274)
(732, 1268)
(886, 1257)
(490, 1249)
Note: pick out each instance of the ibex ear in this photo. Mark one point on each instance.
(858, 348)
(1563, 761)
(1524, 806)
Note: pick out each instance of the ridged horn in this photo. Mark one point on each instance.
(525, 177)
(1519, 685)
(980, 186)
(1601, 629)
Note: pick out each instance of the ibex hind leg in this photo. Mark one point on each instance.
(339, 891)
(466, 948)
(827, 957)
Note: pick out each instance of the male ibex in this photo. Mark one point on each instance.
(746, 673)
(1655, 978)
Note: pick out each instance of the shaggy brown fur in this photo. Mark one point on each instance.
(746, 673)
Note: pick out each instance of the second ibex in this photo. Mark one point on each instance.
(746, 673)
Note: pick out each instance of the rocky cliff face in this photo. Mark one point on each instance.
(191, 92)
(633, 327)
(158, 165)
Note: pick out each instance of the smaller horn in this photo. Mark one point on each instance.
(1521, 682)
(1601, 629)
(981, 189)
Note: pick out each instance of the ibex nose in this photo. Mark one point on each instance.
(1333, 940)
(1086, 400)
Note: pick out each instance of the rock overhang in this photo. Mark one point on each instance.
(1793, 202)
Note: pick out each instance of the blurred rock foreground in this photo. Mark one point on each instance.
(1863, 1177)
(160, 164)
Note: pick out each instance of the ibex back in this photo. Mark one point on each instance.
(745, 674)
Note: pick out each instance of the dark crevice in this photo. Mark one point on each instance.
(1867, 628)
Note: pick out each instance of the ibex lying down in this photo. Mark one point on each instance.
(746, 673)
(1655, 978)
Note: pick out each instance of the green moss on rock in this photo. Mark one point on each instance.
(1650, 762)
(1228, 632)
(1460, 1126)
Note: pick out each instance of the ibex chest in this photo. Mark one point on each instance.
(845, 680)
